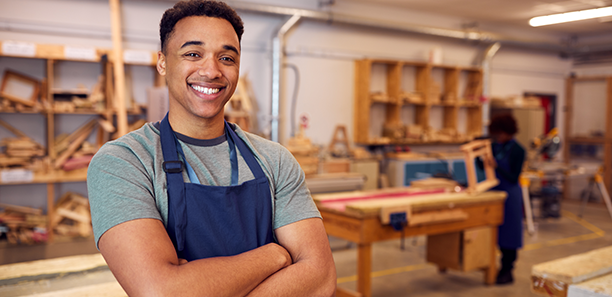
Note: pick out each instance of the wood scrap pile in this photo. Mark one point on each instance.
(23, 225)
(241, 107)
(380, 97)
(20, 93)
(72, 216)
(412, 97)
(73, 152)
(80, 99)
(304, 152)
(20, 151)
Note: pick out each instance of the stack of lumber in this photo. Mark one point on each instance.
(380, 97)
(414, 98)
(80, 99)
(582, 275)
(304, 152)
(241, 107)
(25, 225)
(516, 102)
(21, 151)
(67, 145)
(72, 216)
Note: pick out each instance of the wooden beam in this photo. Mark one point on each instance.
(122, 122)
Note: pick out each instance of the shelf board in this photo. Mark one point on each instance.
(589, 140)
(55, 176)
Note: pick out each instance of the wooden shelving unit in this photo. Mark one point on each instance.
(459, 91)
(53, 54)
(605, 141)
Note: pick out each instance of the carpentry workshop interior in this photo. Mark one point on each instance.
(452, 148)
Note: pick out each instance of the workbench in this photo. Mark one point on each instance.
(356, 217)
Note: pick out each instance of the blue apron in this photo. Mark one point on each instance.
(511, 230)
(212, 221)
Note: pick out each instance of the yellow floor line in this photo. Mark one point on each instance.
(597, 233)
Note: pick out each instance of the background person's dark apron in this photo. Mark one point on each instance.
(511, 231)
(211, 221)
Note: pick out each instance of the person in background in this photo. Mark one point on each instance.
(509, 157)
(193, 205)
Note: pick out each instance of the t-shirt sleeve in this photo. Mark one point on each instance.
(119, 189)
(292, 198)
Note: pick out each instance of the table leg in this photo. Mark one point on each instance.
(491, 271)
(364, 269)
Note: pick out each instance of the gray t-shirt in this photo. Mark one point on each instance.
(126, 180)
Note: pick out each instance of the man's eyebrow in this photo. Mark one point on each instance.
(231, 48)
(193, 42)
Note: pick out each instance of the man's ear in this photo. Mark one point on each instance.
(161, 63)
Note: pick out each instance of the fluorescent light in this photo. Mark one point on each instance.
(571, 16)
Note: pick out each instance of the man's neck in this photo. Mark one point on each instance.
(196, 127)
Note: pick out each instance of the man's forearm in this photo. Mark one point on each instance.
(300, 279)
(142, 258)
(228, 276)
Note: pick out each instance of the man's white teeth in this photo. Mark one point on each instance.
(204, 90)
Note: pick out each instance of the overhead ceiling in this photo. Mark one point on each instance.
(511, 12)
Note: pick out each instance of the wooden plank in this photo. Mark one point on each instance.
(50, 266)
(119, 69)
(435, 217)
(597, 287)
(73, 215)
(426, 201)
(21, 209)
(385, 213)
(574, 269)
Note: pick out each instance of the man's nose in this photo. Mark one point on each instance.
(209, 68)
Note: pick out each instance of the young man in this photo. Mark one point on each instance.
(193, 206)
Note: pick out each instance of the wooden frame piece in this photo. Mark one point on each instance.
(20, 88)
(472, 150)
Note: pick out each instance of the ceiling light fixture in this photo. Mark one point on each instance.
(571, 16)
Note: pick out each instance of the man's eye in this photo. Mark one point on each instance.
(194, 55)
(227, 59)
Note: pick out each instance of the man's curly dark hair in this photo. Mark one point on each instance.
(183, 9)
(503, 123)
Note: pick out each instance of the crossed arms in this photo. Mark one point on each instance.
(141, 256)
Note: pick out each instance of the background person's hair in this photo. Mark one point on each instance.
(503, 123)
(183, 9)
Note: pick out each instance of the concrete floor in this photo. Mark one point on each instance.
(396, 272)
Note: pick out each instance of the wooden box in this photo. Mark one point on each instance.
(464, 251)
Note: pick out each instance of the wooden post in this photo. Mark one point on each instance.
(363, 71)
(122, 122)
(364, 269)
(491, 271)
(50, 211)
(569, 98)
(608, 139)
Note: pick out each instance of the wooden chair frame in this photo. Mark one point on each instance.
(11, 77)
(471, 151)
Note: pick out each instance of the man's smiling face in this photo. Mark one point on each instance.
(201, 65)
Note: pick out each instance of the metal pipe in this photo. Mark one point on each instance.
(278, 55)
(485, 64)
(396, 26)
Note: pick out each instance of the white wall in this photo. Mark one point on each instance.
(323, 52)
